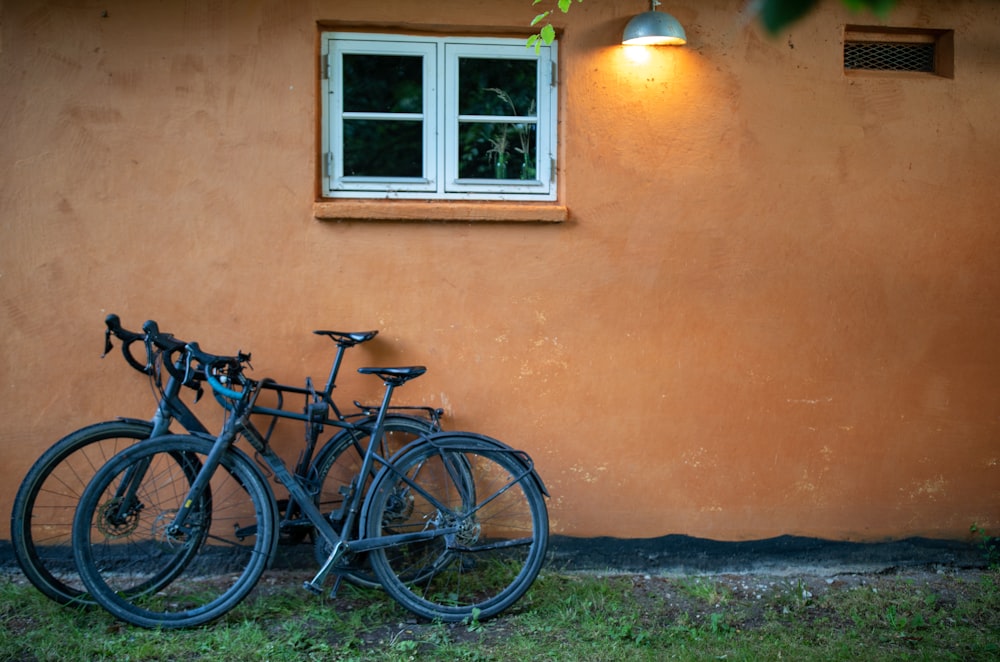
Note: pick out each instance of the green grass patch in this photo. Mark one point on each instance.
(920, 615)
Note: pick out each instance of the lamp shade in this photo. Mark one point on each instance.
(654, 28)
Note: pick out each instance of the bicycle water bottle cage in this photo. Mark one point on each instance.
(395, 376)
(348, 339)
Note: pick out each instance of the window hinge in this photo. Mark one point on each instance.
(326, 67)
(329, 164)
(554, 80)
(552, 169)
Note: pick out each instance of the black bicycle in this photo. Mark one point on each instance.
(454, 525)
(42, 513)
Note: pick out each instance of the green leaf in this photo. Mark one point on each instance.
(881, 7)
(564, 5)
(540, 17)
(878, 7)
(548, 34)
(776, 15)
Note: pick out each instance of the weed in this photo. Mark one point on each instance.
(717, 623)
(472, 622)
(791, 598)
(989, 545)
(706, 591)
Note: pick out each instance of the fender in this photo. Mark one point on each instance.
(333, 443)
(135, 421)
(149, 424)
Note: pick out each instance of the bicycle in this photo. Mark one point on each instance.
(454, 525)
(42, 512)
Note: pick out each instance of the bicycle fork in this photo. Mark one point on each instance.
(126, 495)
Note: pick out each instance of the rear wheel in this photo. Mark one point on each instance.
(337, 467)
(493, 520)
(41, 521)
(213, 561)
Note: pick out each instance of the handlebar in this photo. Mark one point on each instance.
(217, 369)
(114, 327)
(153, 340)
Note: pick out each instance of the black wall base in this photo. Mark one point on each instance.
(678, 554)
(686, 555)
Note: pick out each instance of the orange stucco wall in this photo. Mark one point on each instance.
(773, 308)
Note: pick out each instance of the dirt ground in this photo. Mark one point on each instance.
(746, 600)
(667, 599)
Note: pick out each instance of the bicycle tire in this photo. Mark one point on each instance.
(336, 466)
(503, 528)
(233, 534)
(41, 519)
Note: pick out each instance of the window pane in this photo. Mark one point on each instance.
(383, 83)
(496, 151)
(496, 87)
(374, 148)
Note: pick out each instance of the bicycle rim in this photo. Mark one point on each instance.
(500, 529)
(41, 520)
(154, 578)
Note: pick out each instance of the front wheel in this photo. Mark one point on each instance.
(124, 538)
(479, 543)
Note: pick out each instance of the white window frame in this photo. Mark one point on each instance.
(440, 116)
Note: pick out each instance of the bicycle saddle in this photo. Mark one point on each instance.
(395, 376)
(348, 339)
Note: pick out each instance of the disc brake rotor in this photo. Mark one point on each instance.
(113, 523)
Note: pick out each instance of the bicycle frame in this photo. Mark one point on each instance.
(239, 423)
(316, 417)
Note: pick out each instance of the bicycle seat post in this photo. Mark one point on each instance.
(383, 408)
(331, 381)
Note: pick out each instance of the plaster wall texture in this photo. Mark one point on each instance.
(773, 308)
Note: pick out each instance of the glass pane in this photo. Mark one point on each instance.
(497, 151)
(374, 148)
(383, 83)
(496, 87)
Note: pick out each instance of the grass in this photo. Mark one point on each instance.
(918, 615)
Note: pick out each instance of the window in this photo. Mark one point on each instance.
(437, 117)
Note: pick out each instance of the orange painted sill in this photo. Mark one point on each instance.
(439, 210)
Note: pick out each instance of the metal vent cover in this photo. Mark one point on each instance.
(895, 50)
(889, 56)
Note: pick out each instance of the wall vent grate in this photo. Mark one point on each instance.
(877, 51)
(889, 56)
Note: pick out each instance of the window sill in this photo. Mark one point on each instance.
(438, 210)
